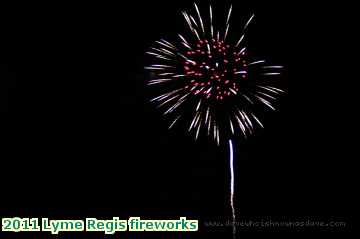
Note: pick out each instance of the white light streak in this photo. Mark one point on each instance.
(232, 185)
(256, 62)
(201, 22)
(248, 22)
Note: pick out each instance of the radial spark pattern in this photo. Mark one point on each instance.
(211, 72)
(212, 82)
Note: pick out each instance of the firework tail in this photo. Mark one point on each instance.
(232, 179)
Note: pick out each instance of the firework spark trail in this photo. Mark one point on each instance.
(248, 22)
(271, 73)
(227, 23)
(276, 67)
(172, 124)
(200, 19)
(211, 24)
(240, 40)
(158, 55)
(219, 80)
(232, 187)
(256, 62)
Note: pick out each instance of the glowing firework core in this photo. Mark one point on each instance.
(216, 67)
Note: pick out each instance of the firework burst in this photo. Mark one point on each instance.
(211, 81)
(214, 75)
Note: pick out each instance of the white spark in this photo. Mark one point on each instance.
(174, 121)
(166, 74)
(242, 50)
(198, 106)
(193, 121)
(189, 24)
(197, 132)
(247, 119)
(256, 62)
(233, 91)
(270, 67)
(201, 22)
(242, 127)
(268, 89)
(271, 74)
(240, 72)
(163, 52)
(168, 100)
(172, 108)
(257, 120)
(166, 95)
(198, 119)
(208, 47)
(262, 93)
(276, 89)
(177, 104)
(211, 24)
(167, 51)
(265, 102)
(184, 41)
(209, 125)
(187, 20)
(207, 115)
(231, 126)
(178, 76)
(158, 55)
(165, 66)
(163, 44)
(248, 22)
(169, 44)
(157, 81)
(228, 16)
(247, 98)
(153, 68)
(226, 31)
(241, 38)
(206, 92)
(193, 20)
(187, 59)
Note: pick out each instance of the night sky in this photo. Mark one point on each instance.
(79, 137)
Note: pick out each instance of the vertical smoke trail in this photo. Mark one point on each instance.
(232, 186)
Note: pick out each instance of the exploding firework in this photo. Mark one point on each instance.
(212, 82)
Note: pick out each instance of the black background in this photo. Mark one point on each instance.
(80, 138)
